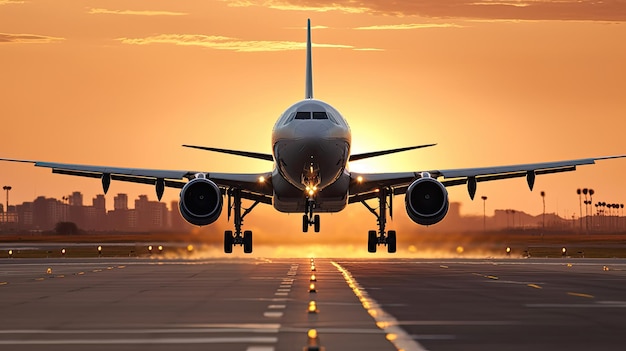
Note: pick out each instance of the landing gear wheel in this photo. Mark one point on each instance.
(391, 241)
(372, 241)
(305, 223)
(316, 223)
(228, 241)
(247, 241)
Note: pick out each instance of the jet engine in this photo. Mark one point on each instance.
(426, 201)
(200, 201)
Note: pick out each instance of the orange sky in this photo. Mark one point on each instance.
(125, 83)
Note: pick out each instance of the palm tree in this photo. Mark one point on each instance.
(591, 192)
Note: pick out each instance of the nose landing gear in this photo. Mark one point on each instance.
(308, 219)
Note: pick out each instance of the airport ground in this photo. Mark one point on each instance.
(262, 304)
(411, 245)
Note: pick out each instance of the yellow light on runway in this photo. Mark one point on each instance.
(189, 248)
(459, 249)
(312, 334)
(312, 307)
(312, 288)
(313, 278)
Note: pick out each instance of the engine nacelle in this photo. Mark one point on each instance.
(200, 201)
(426, 201)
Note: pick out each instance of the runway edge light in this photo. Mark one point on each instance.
(313, 341)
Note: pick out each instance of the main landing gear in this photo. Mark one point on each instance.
(381, 237)
(308, 219)
(238, 238)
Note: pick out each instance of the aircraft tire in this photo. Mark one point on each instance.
(372, 240)
(247, 241)
(305, 223)
(316, 223)
(391, 241)
(228, 241)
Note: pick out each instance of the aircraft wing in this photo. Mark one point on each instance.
(364, 185)
(249, 183)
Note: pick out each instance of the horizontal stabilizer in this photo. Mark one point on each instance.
(257, 155)
(386, 152)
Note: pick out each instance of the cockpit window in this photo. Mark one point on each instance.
(319, 115)
(303, 115)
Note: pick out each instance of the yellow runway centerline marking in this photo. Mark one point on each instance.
(535, 286)
(580, 295)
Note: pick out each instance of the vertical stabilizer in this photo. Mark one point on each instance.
(309, 70)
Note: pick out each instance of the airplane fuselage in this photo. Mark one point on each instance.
(311, 147)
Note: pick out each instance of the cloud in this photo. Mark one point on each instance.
(27, 38)
(226, 43)
(8, 2)
(409, 26)
(135, 13)
(579, 10)
(309, 6)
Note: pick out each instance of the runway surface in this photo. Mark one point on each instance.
(361, 304)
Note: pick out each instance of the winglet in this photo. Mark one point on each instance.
(309, 71)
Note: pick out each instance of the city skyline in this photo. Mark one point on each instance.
(44, 213)
(158, 217)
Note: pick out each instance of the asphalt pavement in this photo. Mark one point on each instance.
(256, 304)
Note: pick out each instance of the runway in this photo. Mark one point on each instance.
(254, 304)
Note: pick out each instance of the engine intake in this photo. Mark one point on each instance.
(200, 201)
(426, 201)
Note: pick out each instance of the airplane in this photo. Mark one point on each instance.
(311, 152)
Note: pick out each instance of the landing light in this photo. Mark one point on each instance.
(359, 179)
(311, 192)
(261, 179)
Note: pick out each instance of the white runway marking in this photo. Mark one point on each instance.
(260, 348)
(273, 314)
(276, 307)
(150, 341)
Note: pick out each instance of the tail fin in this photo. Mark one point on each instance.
(309, 70)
